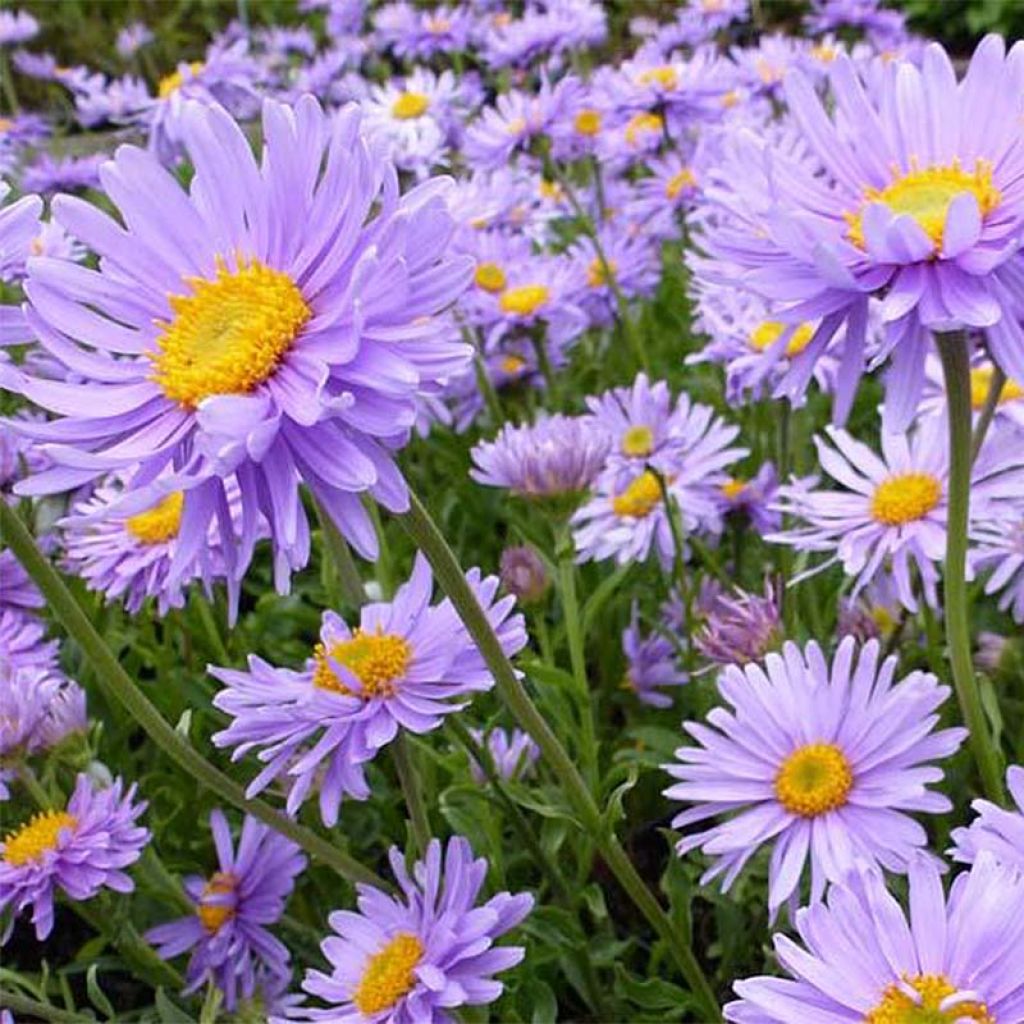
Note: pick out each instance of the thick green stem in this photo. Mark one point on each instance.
(988, 410)
(955, 353)
(10, 94)
(402, 756)
(431, 542)
(22, 1005)
(118, 686)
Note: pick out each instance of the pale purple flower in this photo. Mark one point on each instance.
(22, 644)
(417, 33)
(132, 37)
(740, 628)
(513, 753)
(821, 761)
(752, 501)
(59, 174)
(17, 27)
(652, 662)
(79, 850)
(228, 934)
(524, 574)
(995, 830)
(19, 224)
(117, 101)
(17, 591)
(998, 551)
(432, 946)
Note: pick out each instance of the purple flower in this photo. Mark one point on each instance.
(326, 329)
(883, 26)
(17, 591)
(19, 224)
(17, 27)
(117, 101)
(422, 954)
(995, 830)
(22, 644)
(524, 574)
(132, 38)
(400, 668)
(79, 850)
(999, 550)
(651, 663)
(864, 960)
(417, 33)
(513, 753)
(741, 628)
(40, 708)
(556, 455)
(753, 501)
(49, 174)
(228, 933)
(820, 761)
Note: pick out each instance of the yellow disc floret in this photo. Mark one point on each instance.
(665, 77)
(732, 489)
(638, 500)
(897, 1007)
(765, 335)
(388, 975)
(490, 277)
(926, 196)
(213, 916)
(524, 300)
(598, 275)
(377, 660)
(680, 180)
(638, 441)
(814, 779)
(642, 124)
(171, 83)
(981, 384)
(160, 523)
(228, 336)
(905, 498)
(587, 122)
(36, 837)
(410, 105)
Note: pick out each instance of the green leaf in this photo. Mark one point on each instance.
(170, 1012)
(670, 1001)
(96, 994)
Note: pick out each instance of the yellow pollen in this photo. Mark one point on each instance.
(410, 105)
(638, 441)
(377, 660)
(638, 500)
(641, 124)
(214, 915)
(883, 619)
(36, 246)
(516, 126)
(551, 190)
(766, 334)
(513, 364)
(587, 122)
(768, 72)
(490, 277)
(501, 20)
(437, 25)
(981, 384)
(159, 523)
(229, 335)
(33, 839)
(926, 196)
(388, 975)
(596, 276)
(680, 180)
(814, 779)
(665, 76)
(6, 124)
(525, 300)
(826, 54)
(730, 99)
(175, 80)
(732, 489)
(897, 1007)
(905, 498)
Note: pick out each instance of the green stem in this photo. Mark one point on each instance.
(28, 779)
(212, 632)
(402, 756)
(350, 585)
(118, 686)
(577, 659)
(10, 94)
(543, 363)
(431, 542)
(955, 353)
(22, 1005)
(988, 410)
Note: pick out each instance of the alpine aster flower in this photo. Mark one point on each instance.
(995, 830)
(753, 501)
(228, 933)
(19, 224)
(267, 330)
(17, 591)
(864, 961)
(22, 644)
(891, 515)
(17, 27)
(513, 753)
(40, 708)
(79, 850)
(821, 761)
(999, 550)
(524, 574)
(740, 628)
(651, 663)
(417, 956)
(400, 668)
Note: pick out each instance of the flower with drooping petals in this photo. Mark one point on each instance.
(995, 830)
(652, 662)
(740, 628)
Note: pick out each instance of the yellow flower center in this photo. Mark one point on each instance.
(897, 1007)
(766, 334)
(730, 99)
(438, 25)
(159, 523)
(388, 975)
(883, 619)
(926, 196)
(377, 660)
(6, 124)
(768, 72)
(665, 76)
(490, 277)
(37, 836)
(410, 105)
(512, 364)
(904, 498)
(229, 335)
(176, 79)
(981, 384)
(596, 275)
(732, 489)
(642, 124)
(814, 779)
(638, 441)
(525, 300)
(587, 122)
(680, 180)
(516, 126)
(638, 500)
(825, 53)
(551, 190)
(214, 915)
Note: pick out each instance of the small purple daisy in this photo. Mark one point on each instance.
(995, 830)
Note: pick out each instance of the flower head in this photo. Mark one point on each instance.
(740, 628)
(524, 574)
(79, 850)
(228, 933)
(513, 753)
(416, 956)
(999, 551)
(823, 761)
(995, 830)
(652, 661)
